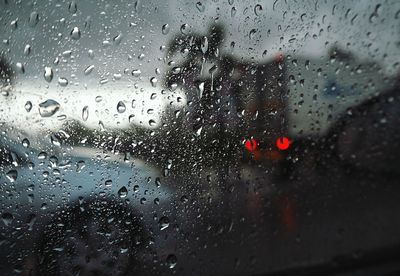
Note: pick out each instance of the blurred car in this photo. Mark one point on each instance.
(59, 192)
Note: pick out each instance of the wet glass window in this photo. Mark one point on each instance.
(219, 137)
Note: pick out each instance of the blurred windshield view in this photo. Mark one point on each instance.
(218, 137)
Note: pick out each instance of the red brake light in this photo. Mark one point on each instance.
(282, 143)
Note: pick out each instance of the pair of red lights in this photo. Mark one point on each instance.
(282, 143)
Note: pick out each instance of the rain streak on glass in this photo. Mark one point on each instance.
(85, 113)
(204, 44)
(89, 69)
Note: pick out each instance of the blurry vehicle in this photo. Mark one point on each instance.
(271, 105)
(74, 205)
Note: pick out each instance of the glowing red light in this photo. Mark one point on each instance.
(282, 143)
(250, 144)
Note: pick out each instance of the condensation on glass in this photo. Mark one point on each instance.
(219, 137)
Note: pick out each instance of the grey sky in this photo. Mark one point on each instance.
(370, 29)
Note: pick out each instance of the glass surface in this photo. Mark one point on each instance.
(219, 137)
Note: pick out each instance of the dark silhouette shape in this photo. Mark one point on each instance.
(6, 71)
(88, 238)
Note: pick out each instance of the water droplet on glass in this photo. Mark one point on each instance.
(62, 81)
(85, 113)
(168, 164)
(307, 64)
(91, 54)
(67, 53)
(14, 24)
(163, 223)
(171, 261)
(101, 125)
(153, 81)
(185, 29)
(48, 108)
(55, 140)
(121, 107)
(89, 69)
(27, 49)
(258, 9)
(108, 183)
(12, 175)
(176, 70)
(117, 39)
(252, 33)
(198, 130)
(204, 44)
(233, 12)
(20, 67)
(33, 19)
(72, 7)
(184, 199)
(138, 6)
(25, 143)
(28, 106)
(48, 74)
(136, 73)
(75, 33)
(201, 89)
(31, 219)
(152, 123)
(123, 192)
(158, 182)
(165, 29)
(14, 159)
(7, 218)
(200, 6)
(374, 16)
(42, 155)
(80, 165)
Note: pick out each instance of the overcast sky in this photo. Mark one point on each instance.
(371, 29)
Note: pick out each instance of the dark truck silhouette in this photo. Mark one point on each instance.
(233, 101)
